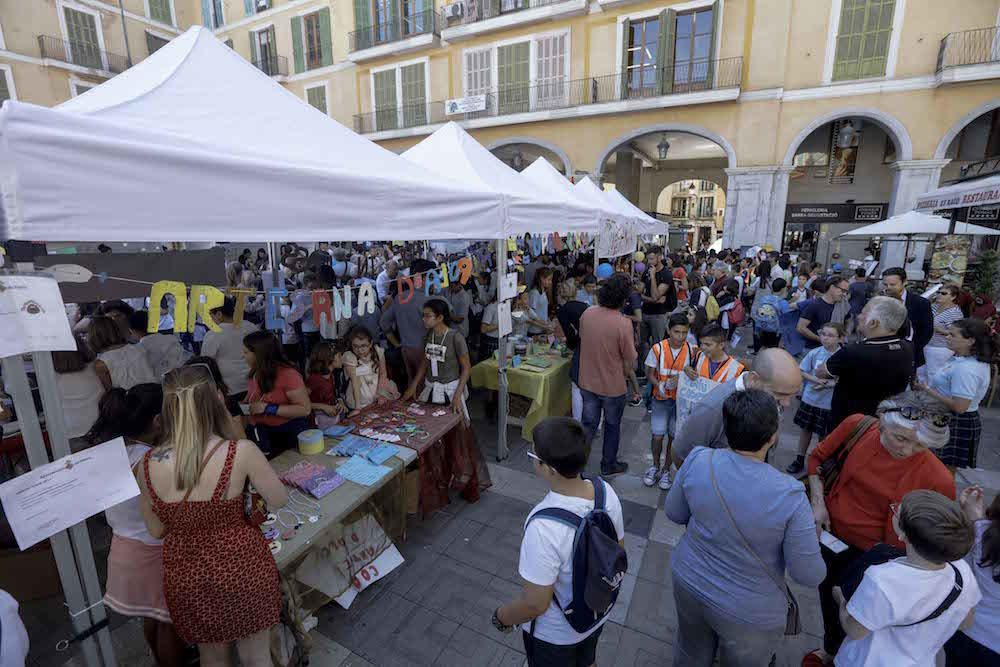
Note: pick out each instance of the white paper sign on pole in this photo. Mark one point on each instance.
(508, 286)
(616, 239)
(55, 496)
(504, 322)
(32, 316)
(465, 104)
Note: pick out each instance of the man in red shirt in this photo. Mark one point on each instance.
(607, 360)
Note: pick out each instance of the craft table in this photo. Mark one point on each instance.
(448, 454)
(550, 389)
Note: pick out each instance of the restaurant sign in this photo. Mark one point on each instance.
(951, 197)
(836, 213)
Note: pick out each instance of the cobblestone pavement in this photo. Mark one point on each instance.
(461, 564)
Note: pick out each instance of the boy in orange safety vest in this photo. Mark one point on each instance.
(713, 362)
(664, 364)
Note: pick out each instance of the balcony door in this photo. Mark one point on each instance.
(386, 111)
(693, 42)
(642, 57)
(513, 77)
(416, 19)
(265, 51)
(551, 84)
(314, 41)
(81, 33)
(479, 78)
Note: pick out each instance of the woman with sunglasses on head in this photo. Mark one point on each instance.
(961, 384)
(888, 459)
(276, 393)
(220, 580)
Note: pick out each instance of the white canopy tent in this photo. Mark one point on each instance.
(646, 223)
(593, 195)
(196, 144)
(453, 154)
(979, 192)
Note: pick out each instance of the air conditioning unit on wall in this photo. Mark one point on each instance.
(454, 10)
(262, 4)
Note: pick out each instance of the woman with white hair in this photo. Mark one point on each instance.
(877, 461)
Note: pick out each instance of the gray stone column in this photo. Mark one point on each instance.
(911, 178)
(755, 206)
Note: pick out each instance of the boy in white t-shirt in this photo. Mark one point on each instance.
(895, 617)
(546, 563)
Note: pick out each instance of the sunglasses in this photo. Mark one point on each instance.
(916, 414)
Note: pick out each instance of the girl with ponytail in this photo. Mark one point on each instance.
(220, 580)
(135, 562)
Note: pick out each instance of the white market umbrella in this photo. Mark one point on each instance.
(913, 223)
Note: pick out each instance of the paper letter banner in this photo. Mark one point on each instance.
(203, 299)
(432, 279)
(464, 266)
(445, 281)
(321, 302)
(241, 296)
(404, 286)
(366, 299)
(32, 316)
(161, 289)
(272, 309)
(342, 304)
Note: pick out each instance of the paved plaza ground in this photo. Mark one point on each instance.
(461, 564)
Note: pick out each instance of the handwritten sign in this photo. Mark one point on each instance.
(32, 316)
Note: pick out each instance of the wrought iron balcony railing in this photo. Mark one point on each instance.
(83, 54)
(403, 27)
(480, 10)
(969, 47)
(273, 65)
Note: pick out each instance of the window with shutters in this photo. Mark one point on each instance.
(679, 207)
(316, 97)
(415, 16)
(642, 57)
(513, 77)
(154, 43)
(479, 77)
(707, 186)
(863, 37)
(384, 91)
(160, 10)
(216, 14)
(551, 71)
(400, 96)
(81, 33)
(693, 49)
(6, 84)
(312, 40)
(706, 207)
(265, 51)
(413, 85)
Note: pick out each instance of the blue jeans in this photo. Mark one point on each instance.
(613, 408)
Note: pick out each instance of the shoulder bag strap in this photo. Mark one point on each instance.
(956, 590)
(859, 430)
(782, 586)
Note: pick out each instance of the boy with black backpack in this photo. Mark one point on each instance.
(572, 556)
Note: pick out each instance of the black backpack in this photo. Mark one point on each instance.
(599, 561)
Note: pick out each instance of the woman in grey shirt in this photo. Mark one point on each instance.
(725, 600)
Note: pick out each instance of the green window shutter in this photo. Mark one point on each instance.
(394, 31)
(626, 36)
(317, 98)
(300, 61)
(363, 35)
(254, 55)
(716, 26)
(863, 39)
(413, 80)
(665, 51)
(324, 35)
(248, 8)
(159, 10)
(513, 71)
(82, 32)
(206, 14)
(386, 115)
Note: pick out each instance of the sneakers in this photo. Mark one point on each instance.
(665, 480)
(796, 466)
(636, 403)
(616, 468)
(652, 474)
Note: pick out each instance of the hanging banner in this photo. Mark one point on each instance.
(616, 239)
(469, 104)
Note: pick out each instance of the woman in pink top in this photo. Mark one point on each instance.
(277, 396)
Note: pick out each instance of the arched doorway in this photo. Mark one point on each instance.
(519, 152)
(645, 164)
(697, 207)
(974, 139)
(841, 178)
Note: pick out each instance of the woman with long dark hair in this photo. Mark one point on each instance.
(446, 366)
(276, 393)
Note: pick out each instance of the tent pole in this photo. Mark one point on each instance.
(34, 444)
(502, 399)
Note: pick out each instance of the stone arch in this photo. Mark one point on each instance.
(547, 145)
(666, 127)
(955, 129)
(889, 123)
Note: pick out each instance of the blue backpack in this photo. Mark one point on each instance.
(769, 314)
(599, 561)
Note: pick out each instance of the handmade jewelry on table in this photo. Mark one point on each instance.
(274, 546)
(301, 502)
(271, 518)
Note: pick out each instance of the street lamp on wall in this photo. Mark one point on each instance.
(663, 147)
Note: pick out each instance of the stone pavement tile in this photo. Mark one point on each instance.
(349, 627)
(664, 530)
(468, 647)
(479, 619)
(499, 511)
(524, 486)
(630, 487)
(415, 569)
(636, 649)
(652, 610)
(421, 533)
(620, 611)
(792, 649)
(607, 645)
(326, 652)
(656, 564)
(487, 548)
(638, 518)
(635, 548)
(409, 634)
(354, 660)
(128, 642)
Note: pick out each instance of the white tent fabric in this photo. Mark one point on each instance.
(196, 144)
(543, 175)
(455, 155)
(913, 223)
(980, 192)
(593, 195)
(647, 223)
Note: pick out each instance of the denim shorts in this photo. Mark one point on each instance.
(664, 417)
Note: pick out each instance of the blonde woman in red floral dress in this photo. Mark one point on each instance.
(219, 577)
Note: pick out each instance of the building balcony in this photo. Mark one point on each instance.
(971, 55)
(80, 54)
(407, 33)
(465, 19)
(273, 66)
(689, 83)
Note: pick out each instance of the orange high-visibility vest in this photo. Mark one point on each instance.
(668, 367)
(729, 370)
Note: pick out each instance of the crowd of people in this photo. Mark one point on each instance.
(867, 512)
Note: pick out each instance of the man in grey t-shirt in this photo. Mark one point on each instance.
(774, 370)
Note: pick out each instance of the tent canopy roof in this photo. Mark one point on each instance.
(196, 144)
(913, 223)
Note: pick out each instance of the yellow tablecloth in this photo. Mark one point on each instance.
(550, 390)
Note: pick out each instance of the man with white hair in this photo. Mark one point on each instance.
(871, 371)
(388, 274)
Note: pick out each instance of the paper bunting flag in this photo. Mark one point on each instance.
(203, 299)
(272, 309)
(179, 291)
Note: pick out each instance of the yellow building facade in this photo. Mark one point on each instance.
(811, 116)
